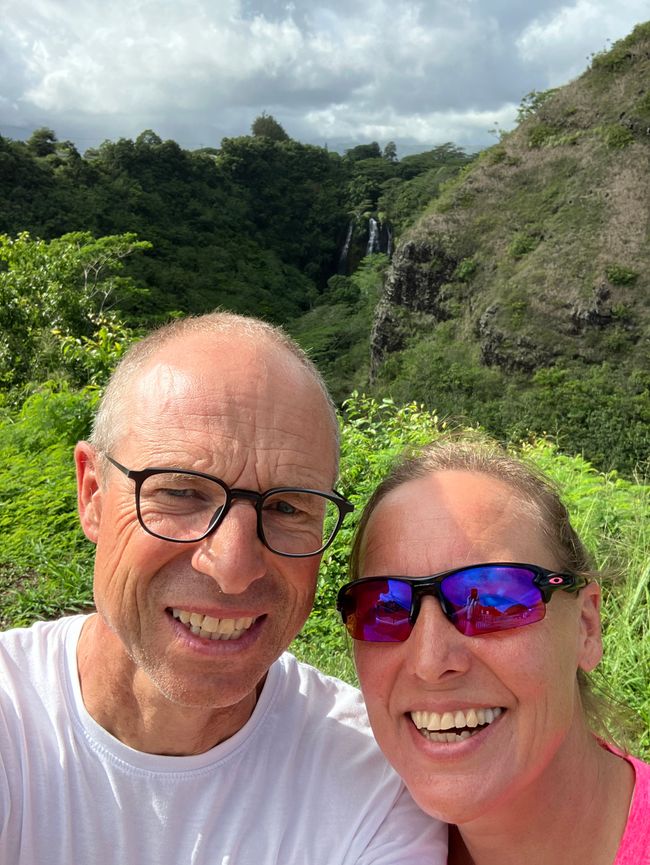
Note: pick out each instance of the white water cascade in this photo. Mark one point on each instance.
(373, 236)
(343, 258)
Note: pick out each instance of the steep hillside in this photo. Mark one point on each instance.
(538, 256)
(541, 249)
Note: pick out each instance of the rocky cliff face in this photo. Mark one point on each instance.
(541, 249)
(420, 270)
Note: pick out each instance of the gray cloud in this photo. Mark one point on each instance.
(422, 71)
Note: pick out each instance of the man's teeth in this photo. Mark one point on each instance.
(453, 726)
(211, 628)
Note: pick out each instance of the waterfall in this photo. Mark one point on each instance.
(373, 236)
(389, 240)
(343, 258)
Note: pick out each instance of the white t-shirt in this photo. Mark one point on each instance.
(302, 783)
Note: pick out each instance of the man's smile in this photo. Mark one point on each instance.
(212, 628)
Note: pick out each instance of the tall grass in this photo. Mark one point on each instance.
(612, 516)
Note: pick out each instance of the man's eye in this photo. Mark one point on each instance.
(282, 507)
(179, 493)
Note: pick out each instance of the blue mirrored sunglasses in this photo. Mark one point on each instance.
(478, 599)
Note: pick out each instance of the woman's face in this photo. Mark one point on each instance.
(528, 674)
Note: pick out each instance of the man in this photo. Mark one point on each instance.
(169, 727)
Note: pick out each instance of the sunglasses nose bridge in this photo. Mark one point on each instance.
(427, 588)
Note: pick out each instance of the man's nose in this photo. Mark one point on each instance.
(436, 651)
(233, 555)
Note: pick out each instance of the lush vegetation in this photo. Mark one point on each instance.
(48, 565)
(259, 225)
(600, 410)
(256, 225)
(519, 298)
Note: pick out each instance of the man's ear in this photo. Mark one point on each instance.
(591, 644)
(89, 493)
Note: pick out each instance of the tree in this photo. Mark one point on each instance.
(42, 141)
(148, 138)
(268, 127)
(363, 151)
(52, 291)
(446, 154)
(390, 151)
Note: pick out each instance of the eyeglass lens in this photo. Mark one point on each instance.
(476, 600)
(183, 507)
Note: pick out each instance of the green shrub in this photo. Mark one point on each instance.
(616, 136)
(619, 275)
(540, 135)
(532, 102)
(40, 536)
(466, 269)
(517, 309)
(522, 243)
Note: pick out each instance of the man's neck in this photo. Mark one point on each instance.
(126, 703)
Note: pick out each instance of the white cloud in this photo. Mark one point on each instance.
(426, 70)
(460, 127)
(562, 43)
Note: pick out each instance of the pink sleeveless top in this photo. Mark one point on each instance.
(634, 848)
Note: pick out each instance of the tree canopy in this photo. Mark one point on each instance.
(268, 127)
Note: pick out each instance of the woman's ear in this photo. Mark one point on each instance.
(591, 643)
(89, 493)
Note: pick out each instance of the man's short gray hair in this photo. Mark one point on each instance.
(107, 423)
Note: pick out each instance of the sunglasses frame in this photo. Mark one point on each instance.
(545, 580)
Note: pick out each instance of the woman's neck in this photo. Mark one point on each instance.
(570, 816)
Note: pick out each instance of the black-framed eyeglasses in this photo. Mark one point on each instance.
(477, 599)
(185, 506)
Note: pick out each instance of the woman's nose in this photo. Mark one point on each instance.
(435, 650)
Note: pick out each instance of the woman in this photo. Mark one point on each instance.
(476, 618)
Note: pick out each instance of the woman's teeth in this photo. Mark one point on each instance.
(211, 628)
(453, 726)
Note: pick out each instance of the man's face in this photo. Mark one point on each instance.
(250, 415)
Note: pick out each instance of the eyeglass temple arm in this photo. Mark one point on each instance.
(552, 582)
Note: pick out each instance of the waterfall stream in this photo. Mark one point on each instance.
(343, 258)
(373, 236)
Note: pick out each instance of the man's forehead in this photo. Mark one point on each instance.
(198, 369)
(261, 399)
(198, 354)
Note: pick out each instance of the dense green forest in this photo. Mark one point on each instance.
(256, 225)
(134, 232)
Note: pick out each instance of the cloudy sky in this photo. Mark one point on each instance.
(336, 72)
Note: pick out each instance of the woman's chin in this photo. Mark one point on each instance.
(449, 808)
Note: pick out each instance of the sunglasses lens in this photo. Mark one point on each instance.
(498, 598)
(377, 611)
